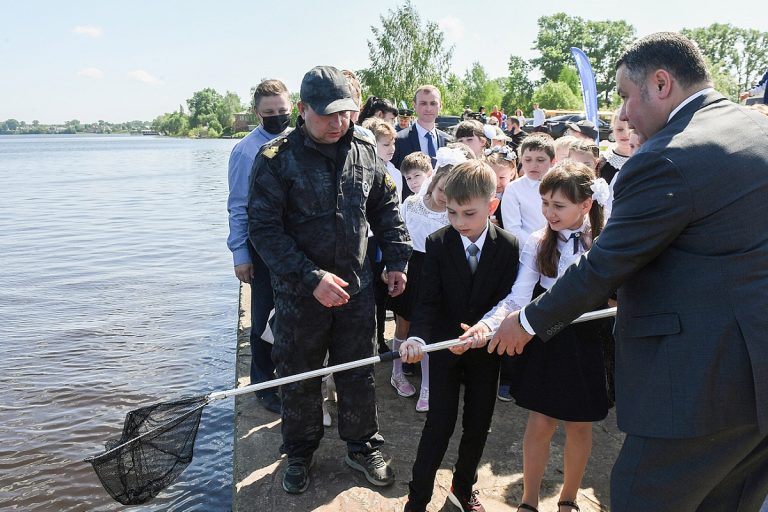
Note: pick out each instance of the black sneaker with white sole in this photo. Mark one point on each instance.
(373, 466)
(296, 474)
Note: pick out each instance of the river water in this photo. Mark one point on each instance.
(116, 291)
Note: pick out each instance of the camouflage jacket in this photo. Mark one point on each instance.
(307, 213)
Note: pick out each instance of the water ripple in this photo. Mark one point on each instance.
(116, 292)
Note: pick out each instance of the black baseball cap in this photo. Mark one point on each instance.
(326, 90)
(584, 126)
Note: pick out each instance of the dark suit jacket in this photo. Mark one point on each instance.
(687, 248)
(449, 294)
(407, 142)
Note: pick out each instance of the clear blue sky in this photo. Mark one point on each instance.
(91, 60)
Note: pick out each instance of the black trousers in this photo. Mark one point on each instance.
(479, 372)
(304, 331)
(725, 471)
(262, 367)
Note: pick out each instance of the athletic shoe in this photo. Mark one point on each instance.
(373, 466)
(422, 405)
(504, 394)
(402, 385)
(469, 503)
(296, 475)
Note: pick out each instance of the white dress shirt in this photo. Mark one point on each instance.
(423, 139)
(521, 209)
(528, 274)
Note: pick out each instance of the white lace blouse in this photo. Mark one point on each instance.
(421, 221)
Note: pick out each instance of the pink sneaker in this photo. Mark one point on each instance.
(401, 385)
(422, 405)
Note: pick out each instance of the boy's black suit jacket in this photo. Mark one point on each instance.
(449, 294)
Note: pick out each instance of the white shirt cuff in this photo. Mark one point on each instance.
(526, 325)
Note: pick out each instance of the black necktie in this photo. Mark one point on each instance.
(431, 147)
(576, 236)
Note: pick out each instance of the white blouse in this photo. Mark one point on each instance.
(528, 272)
(421, 221)
(521, 209)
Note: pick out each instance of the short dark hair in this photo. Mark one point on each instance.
(270, 87)
(470, 128)
(671, 51)
(416, 161)
(538, 142)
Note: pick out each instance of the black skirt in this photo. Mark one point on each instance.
(404, 304)
(564, 378)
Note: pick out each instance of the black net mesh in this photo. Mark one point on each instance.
(155, 447)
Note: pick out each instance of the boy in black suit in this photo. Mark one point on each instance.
(469, 267)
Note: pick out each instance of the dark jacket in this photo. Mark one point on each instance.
(407, 142)
(307, 212)
(687, 248)
(448, 292)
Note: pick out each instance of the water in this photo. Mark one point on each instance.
(116, 291)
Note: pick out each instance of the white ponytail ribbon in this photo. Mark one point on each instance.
(449, 156)
(600, 191)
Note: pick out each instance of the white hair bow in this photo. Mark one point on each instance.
(600, 191)
(449, 156)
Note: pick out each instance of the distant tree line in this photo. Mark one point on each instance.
(210, 114)
(405, 52)
(16, 127)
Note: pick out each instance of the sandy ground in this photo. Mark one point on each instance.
(335, 487)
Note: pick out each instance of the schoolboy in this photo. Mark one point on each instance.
(521, 211)
(416, 168)
(469, 265)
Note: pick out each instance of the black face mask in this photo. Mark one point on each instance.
(276, 124)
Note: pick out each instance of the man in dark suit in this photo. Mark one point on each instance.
(423, 135)
(468, 268)
(687, 249)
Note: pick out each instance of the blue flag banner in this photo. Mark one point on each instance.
(588, 85)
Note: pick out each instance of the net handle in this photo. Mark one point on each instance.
(388, 356)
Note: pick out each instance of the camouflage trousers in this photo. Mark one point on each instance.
(304, 331)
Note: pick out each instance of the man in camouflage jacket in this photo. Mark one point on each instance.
(313, 194)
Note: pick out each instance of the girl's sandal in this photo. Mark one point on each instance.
(525, 506)
(566, 503)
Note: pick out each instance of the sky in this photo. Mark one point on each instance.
(135, 60)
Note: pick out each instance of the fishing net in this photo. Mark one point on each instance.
(155, 447)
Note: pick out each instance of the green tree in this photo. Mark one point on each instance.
(602, 41)
(203, 103)
(570, 77)
(479, 89)
(519, 86)
(404, 54)
(556, 95)
(452, 92)
(225, 112)
(12, 124)
(742, 53)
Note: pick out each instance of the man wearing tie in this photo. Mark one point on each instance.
(687, 249)
(423, 135)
